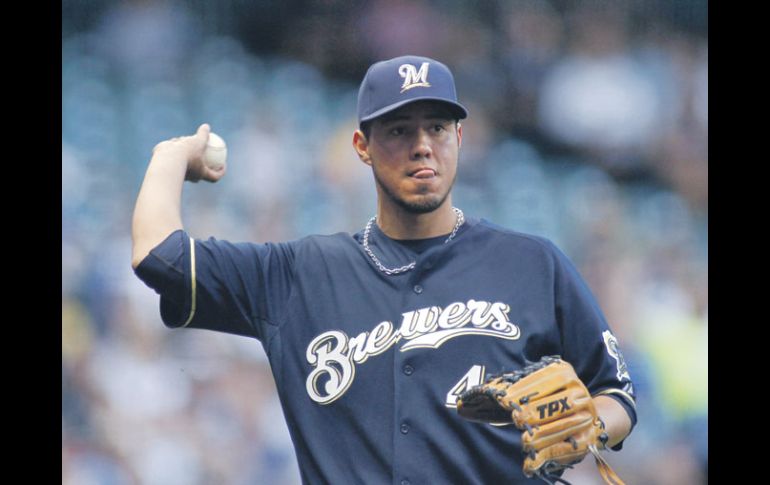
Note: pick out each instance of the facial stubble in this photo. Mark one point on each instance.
(423, 206)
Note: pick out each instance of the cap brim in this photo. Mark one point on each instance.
(458, 109)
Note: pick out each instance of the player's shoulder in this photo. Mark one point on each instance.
(521, 240)
(336, 238)
(308, 242)
(325, 242)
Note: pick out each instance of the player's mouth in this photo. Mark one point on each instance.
(423, 173)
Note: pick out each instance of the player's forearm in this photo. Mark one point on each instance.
(158, 207)
(616, 421)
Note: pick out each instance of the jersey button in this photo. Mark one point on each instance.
(417, 289)
(408, 369)
(406, 482)
(404, 428)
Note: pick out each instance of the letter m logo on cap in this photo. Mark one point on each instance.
(412, 77)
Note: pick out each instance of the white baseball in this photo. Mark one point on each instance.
(215, 155)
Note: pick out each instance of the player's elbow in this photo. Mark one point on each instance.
(138, 253)
(136, 260)
(145, 240)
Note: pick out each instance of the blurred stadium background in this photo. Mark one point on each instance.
(589, 125)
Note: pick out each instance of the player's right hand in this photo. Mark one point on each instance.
(191, 149)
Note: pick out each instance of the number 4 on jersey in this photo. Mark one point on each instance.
(473, 377)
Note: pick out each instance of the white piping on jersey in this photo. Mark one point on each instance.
(192, 285)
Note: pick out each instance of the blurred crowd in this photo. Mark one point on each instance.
(588, 125)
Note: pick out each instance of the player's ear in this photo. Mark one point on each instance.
(459, 134)
(361, 145)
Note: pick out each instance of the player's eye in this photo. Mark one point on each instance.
(397, 131)
(439, 128)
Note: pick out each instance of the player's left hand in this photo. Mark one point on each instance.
(553, 408)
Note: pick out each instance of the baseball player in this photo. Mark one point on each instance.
(372, 337)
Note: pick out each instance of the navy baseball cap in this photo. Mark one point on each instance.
(390, 84)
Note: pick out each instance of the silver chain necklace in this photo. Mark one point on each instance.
(403, 269)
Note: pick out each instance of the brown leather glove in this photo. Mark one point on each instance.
(553, 408)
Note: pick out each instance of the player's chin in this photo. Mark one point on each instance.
(423, 203)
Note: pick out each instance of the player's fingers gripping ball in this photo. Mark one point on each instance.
(214, 158)
(553, 408)
(215, 154)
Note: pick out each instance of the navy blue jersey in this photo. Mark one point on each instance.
(369, 366)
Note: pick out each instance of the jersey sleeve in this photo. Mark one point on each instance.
(238, 288)
(587, 340)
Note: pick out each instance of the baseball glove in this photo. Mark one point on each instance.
(551, 405)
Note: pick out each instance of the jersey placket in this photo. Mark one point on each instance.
(408, 433)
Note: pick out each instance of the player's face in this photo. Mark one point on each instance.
(413, 152)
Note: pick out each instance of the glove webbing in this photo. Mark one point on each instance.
(605, 470)
(550, 478)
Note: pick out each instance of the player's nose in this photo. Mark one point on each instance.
(422, 145)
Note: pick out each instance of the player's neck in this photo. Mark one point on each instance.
(398, 223)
